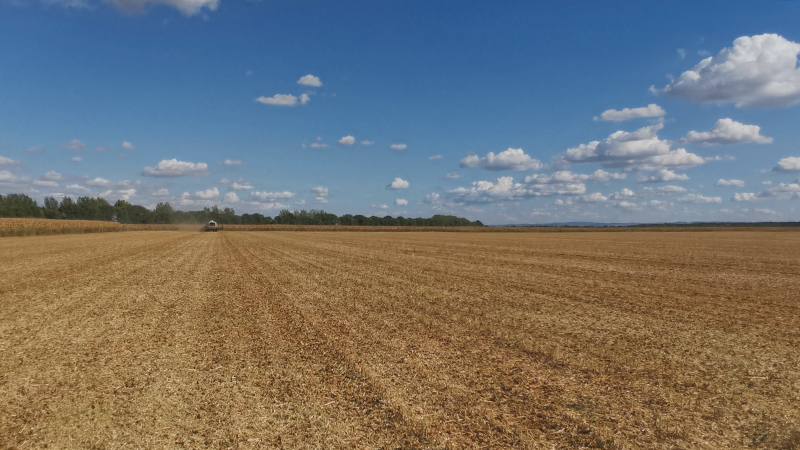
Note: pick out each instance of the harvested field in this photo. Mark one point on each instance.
(509, 229)
(401, 340)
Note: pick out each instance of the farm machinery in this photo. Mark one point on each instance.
(212, 226)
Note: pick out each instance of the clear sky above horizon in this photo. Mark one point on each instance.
(510, 112)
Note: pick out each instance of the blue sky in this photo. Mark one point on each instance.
(507, 113)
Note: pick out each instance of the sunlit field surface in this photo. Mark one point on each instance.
(413, 340)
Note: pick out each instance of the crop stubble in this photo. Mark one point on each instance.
(375, 340)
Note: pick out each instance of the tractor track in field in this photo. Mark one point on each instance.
(400, 340)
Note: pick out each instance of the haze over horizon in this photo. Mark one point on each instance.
(527, 113)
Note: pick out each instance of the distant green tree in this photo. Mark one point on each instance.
(50, 208)
(19, 205)
(285, 217)
(93, 208)
(163, 213)
(228, 215)
(127, 213)
(97, 208)
(68, 208)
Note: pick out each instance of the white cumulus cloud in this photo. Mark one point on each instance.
(661, 190)
(208, 194)
(232, 162)
(633, 150)
(401, 202)
(241, 186)
(651, 110)
(399, 146)
(317, 143)
(175, 168)
(744, 197)
(602, 175)
(284, 100)
(106, 184)
(505, 189)
(433, 197)
(126, 194)
(562, 176)
(674, 159)
(435, 157)
(757, 71)
(723, 182)
(514, 159)
(270, 197)
(347, 140)
(788, 164)
(719, 158)
(698, 198)
(7, 161)
(231, 197)
(77, 189)
(398, 183)
(663, 175)
(623, 194)
(592, 198)
(309, 80)
(628, 206)
(128, 146)
(728, 131)
(365, 142)
(782, 191)
(187, 7)
(8, 177)
(621, 146)
(319, 191)
(99, 182)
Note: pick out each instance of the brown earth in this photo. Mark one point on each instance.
(401, 340)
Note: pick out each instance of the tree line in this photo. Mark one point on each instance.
(98, 208)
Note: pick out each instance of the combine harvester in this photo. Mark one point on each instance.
(212, 226)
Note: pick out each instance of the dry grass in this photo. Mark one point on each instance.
(401, 340)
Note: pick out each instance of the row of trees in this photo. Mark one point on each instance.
(97, 208)
(84, 208)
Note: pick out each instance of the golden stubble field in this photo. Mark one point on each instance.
(401, 340)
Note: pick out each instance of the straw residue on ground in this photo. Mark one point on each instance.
(400, 340)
